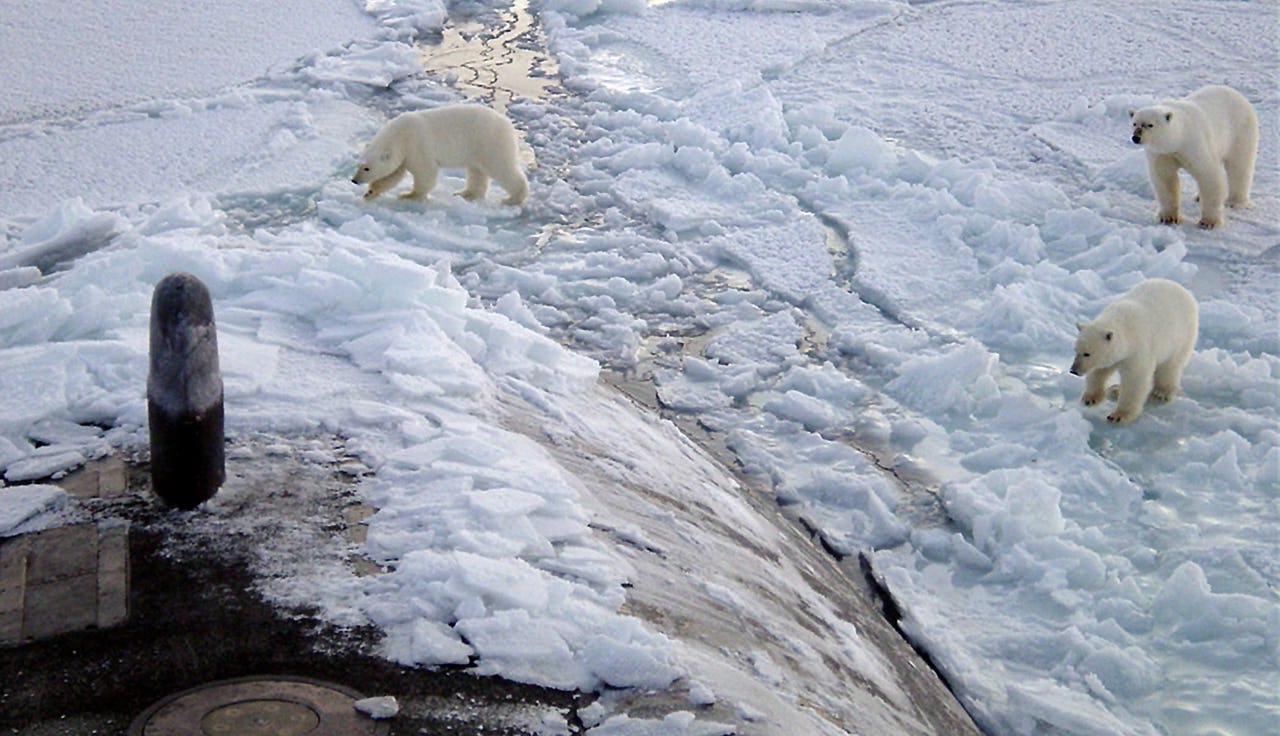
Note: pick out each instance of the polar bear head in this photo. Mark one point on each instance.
(1156, 127)
(1097, 346)
(376, 163)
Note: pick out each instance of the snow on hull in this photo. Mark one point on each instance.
(535, 525)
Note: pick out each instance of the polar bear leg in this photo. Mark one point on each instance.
(1163, 171)
(1212, 181)
(512, 180)
(424, 181)
(1168, 377)
(477, 184)
(1095, 386)
(1135, 387)
(1168, 381)
(381, 186)
(1240, 162)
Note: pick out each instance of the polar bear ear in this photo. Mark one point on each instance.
(1132, 113)
(1079, 327)
(386, 156)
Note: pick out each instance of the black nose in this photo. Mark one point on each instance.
(353, 181)
(1137, 138)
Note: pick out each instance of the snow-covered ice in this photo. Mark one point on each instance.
(846, 242)
(31, 508)
(378, 708)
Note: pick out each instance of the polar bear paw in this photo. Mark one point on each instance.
(1120, 416)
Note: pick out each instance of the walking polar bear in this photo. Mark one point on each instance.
(1213, 134)
(471, 137)
(1148, 335)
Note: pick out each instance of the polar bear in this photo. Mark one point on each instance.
(420, 143)
(1148, 335)
(1213, 134)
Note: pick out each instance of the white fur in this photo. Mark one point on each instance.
(471, 137)
(1148, 335)
(1213, 134)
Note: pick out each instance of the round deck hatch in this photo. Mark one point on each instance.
(258, 706)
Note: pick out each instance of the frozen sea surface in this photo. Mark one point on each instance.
(847, 243)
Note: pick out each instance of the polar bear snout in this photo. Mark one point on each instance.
(1137, 137)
